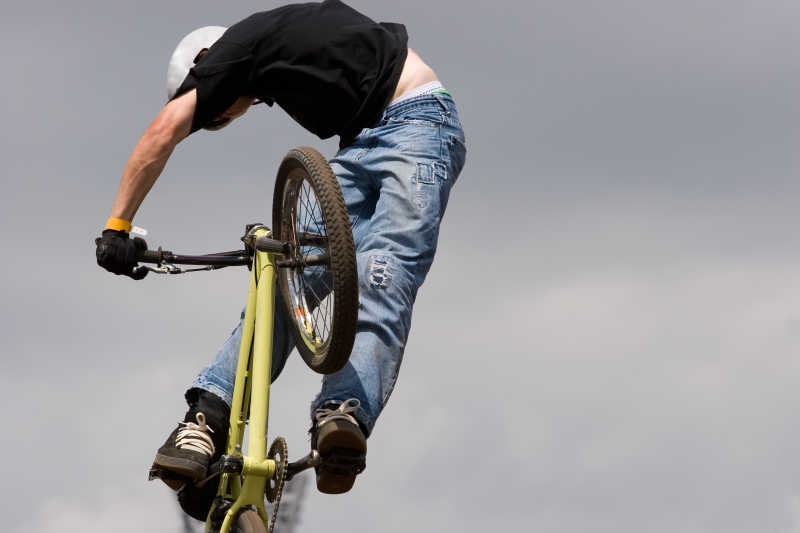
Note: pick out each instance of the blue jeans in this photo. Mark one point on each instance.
(396, 179)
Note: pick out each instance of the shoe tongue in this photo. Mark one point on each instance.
(213, 408)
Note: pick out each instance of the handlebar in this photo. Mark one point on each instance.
(166, 261)
(221, 259)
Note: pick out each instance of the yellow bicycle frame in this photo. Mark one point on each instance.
(251, 393)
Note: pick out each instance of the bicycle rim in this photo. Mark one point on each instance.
(320, 291)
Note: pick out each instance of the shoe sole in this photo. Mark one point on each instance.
(338, 436)
(180, 466)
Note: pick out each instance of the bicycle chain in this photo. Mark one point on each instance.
(278, 448)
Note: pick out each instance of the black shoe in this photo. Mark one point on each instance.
(342, 444)
(197, 441)
(196, 501)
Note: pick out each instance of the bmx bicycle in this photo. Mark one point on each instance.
(311, 255)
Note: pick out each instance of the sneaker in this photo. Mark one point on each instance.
(341, 443)
(196, 442)
(196, 500)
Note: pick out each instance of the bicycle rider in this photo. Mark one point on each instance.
(336, 72)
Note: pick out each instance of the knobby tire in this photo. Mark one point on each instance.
(304, 164)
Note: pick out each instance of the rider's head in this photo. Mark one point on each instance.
(186, 54)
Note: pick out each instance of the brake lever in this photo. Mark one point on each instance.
(164, 268)
(167, 268)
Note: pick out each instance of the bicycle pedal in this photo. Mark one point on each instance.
(342, 461)
(344, 455)
(172, 480)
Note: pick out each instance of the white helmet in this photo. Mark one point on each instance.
(183, 58)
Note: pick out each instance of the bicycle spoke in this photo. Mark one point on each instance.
(317, 240)
(325, 313)
(312, 208)
(312, 292)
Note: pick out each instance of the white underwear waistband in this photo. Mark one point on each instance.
(426, 88)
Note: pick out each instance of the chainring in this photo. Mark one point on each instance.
(278, 452)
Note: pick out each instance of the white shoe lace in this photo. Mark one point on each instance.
(344, 409)
(195, 436)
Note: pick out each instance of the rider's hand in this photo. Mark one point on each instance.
(116, 252)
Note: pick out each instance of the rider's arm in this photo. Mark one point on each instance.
(151, 153)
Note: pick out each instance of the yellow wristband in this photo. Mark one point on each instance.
(118, 224)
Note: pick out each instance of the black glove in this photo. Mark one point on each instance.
(116, 252)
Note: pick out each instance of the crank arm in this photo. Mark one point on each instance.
(309, 461)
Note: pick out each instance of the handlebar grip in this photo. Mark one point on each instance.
(266, 244)
(151, 256)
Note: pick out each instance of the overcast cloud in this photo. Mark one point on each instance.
(608, 340)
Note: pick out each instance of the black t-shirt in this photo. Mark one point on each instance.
(327, 65)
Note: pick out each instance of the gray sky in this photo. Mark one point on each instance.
(607, 341)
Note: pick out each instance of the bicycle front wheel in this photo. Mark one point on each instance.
(317, 280)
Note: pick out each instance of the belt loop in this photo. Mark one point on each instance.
(384, 115)
(386, 110)
(440, 99)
